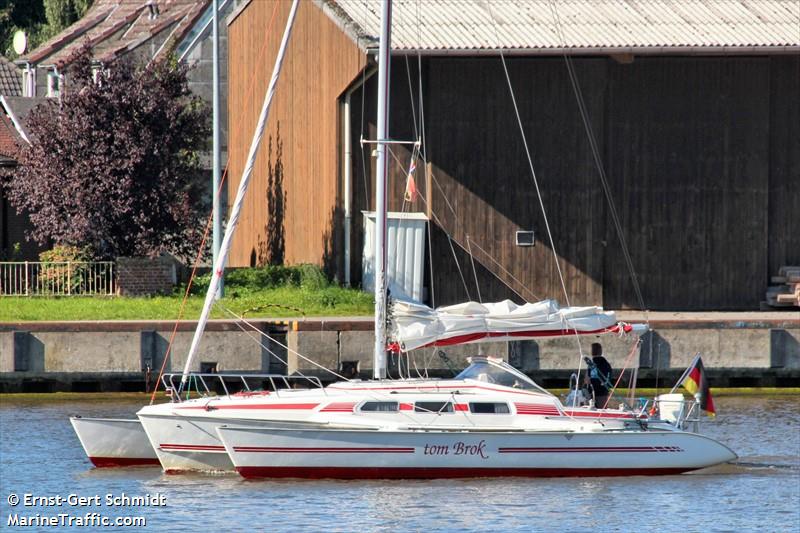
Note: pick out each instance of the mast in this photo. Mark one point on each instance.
(384, 58)
(233, 221)
(215, 190)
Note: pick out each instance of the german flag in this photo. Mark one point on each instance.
(695, 381)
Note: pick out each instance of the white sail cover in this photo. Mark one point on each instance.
(417, 325)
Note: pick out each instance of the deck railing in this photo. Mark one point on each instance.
(207, 385)
(67, 278)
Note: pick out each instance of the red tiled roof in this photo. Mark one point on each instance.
(9, 146)
(114, 27)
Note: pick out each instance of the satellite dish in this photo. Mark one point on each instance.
(20, 42)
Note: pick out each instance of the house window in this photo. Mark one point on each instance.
(53, 84)
(488, 408)
(29, 82)
(433, 407)
(384, 407)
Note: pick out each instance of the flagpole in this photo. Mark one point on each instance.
(686, 372)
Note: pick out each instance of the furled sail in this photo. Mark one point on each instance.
(416, 325)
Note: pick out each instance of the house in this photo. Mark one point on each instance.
(138, 29)
(13, 244)
(695, 119)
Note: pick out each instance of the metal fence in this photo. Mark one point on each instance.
(68, 278)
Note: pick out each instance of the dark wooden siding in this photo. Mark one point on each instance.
(701, 153)
(687, 150)
(784, 158)
(299, 158)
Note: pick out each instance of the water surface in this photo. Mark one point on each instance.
(40, 455)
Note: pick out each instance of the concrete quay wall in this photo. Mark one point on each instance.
(123, 355)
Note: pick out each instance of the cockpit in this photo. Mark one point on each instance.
(497, 371)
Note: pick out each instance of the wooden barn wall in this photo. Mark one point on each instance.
(701, 155)
(291, 213)
(784, 169)
(687, 149)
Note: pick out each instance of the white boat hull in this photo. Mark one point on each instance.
(355, 454)
(186, 443)
(110, 442)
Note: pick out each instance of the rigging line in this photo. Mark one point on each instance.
(430, 264)
(452, 249)
(458, 266)
(370, 394)
(458, 226)
(411, 99)
(209, 221)
(199, 254)
(506, 272)
(424, 150)
(252, 326)
(536, 185)
(598, 161)
(490, 258)
(257, 340)
(530, 159)
(444, 196)
(474, 271)
(628, 360)
(363, 105)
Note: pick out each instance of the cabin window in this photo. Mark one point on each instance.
(489, 408)
(433, 407)
(384, 407)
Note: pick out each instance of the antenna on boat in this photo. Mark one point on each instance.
(384, 59)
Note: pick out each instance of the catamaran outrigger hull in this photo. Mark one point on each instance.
(356, 454)
(183, 444)
(112, 442)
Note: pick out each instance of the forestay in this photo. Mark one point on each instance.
(416, 325)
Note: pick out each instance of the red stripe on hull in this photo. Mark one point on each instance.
(597, 415)
(593, 449)
(308, 472)
(115, 462)
(278, 407)
(262, 449)
(191, 448)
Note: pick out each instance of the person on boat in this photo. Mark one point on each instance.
(599, 375)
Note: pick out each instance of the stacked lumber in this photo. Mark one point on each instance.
(784, 290)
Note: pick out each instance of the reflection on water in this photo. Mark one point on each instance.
(40, 454)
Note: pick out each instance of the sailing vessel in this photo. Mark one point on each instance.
(489, 420)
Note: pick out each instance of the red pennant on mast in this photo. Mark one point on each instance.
(411, 185)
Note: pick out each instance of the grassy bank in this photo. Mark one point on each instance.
(282, 302)
(253, 293)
